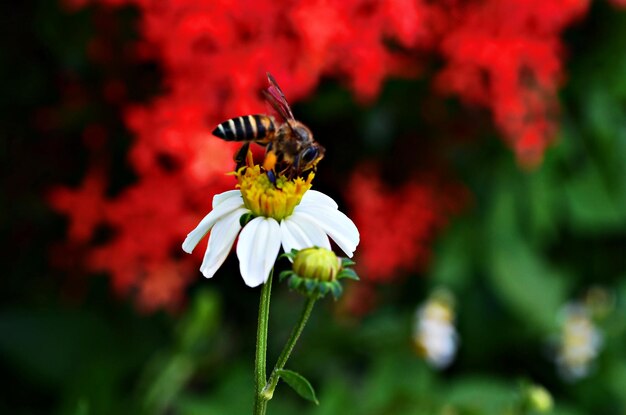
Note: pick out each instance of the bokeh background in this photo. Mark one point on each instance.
(479, 146)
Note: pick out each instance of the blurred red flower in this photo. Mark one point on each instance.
(398, 224)
(507, 55)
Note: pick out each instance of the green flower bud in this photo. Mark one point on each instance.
(317, 264)
(317, 271)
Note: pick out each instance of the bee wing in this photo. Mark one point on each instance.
(274, 95)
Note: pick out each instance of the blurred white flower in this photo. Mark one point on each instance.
(434, 334)
(580, 342)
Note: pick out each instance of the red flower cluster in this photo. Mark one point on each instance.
(504, 54)
(397, 225)
(507, 55)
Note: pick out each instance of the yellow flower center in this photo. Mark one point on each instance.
(265, 198)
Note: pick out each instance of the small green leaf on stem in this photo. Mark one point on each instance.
(299, 384)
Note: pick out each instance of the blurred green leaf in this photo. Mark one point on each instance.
(82, 408)
(174, 373)
(50, 345)
(527, 284)
(231, 395)
(565, 410)
(169, 371)
(592, 206)
(601, 115)
(452, 262)
(398, 382)
(335, 397)
(200, 322)
(616, 379)
(483, 396)
(544, 205)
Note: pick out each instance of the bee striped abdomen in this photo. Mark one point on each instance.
(245, 128)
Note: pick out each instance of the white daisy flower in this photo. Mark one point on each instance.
(286, 214)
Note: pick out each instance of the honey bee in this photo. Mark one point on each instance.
(289, 145)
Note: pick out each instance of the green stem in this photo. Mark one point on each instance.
(260, 375)
(268, 391)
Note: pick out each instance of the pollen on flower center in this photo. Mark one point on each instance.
(263, 198)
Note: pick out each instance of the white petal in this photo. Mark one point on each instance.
(224, 208)
(257, 249)
(222, 237)
(218, 199)
(337, 225)
(298, 232)
(313, 197)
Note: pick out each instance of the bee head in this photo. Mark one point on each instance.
(310, 156)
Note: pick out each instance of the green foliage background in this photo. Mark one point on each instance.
(530, 242)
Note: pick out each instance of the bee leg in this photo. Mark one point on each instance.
(240, 156)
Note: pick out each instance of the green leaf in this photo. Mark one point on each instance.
(520, 274)
(454, 258)
(485, 396)
(200, 322)
(336, 289)
(299, 384)
(174, 374)
(310, 285)
(347, 262)
(544, 204)
(324, 288)
(592, 206)
(532, 289)
(289, 255)
(349, 274)
(82, 408)
(616, 378)
(295, 282)
(285, 274)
